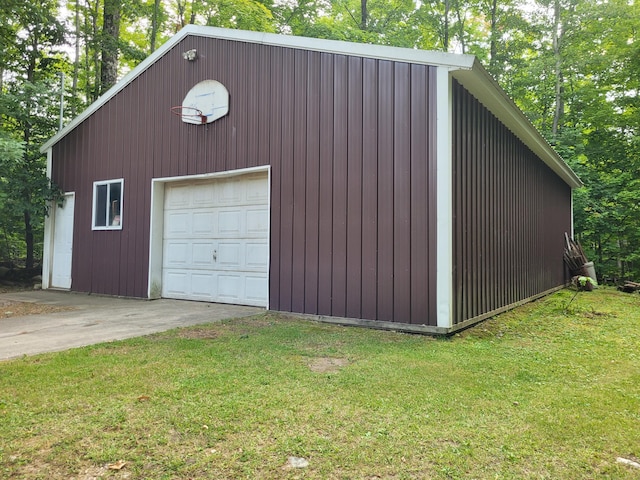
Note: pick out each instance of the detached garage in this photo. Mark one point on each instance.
(360, 184)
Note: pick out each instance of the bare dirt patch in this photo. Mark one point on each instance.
(9, 308)
(327, 364)
(199, 333)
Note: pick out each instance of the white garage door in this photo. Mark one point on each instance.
(216, 240)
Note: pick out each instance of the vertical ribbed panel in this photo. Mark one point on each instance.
(351, 146)
(511, 212)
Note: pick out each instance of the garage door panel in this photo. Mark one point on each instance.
(179, 223)
(244, 288)
(230, 192)
(202, 194)
(202, 254)
(255, 191)
(257, 255)
(180, 197)
(176, 253)
(230, 223)
(203, 223)
(174, 281)
(216, 245)
(256, 288)
(203, 285)
(257, 221)
(229, 255)
(229, 287)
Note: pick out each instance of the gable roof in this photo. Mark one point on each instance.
(466, 69)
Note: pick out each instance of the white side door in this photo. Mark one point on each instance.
(62, 243)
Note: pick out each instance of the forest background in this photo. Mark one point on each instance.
(572, 66)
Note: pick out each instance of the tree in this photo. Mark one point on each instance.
(26, 118)
(585, 100)
(110, 44)
(11, 152)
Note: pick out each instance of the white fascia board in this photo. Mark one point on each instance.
(483, 87)
(381, 52)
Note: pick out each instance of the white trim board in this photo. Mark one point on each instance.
(444, 201)
(156, 227)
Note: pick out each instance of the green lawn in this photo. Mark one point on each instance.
(544, 391)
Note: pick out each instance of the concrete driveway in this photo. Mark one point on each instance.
(96, 319)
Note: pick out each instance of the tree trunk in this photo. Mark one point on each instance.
(445, 37)
(192, 19)
(181, 7)
(110, 39)
(155, 19)
(559, 88)
(26, 138)
(463, 45)
(28, 236)
(93, 93)
(364, 14)
(76, 61)
(493, 47)
(620, 260)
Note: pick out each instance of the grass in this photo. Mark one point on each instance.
(549, 390)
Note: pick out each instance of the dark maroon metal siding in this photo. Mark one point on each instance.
(351, 146)
(510, 215)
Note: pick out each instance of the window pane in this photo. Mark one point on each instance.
(100, 219)
(115, 197)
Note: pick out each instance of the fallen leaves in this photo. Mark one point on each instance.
(12, 308)
(119, 465)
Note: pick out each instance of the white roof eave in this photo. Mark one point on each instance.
(483, 87)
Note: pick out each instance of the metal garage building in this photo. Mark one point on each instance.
(372, 185)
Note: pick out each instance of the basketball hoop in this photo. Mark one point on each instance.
(189, 114)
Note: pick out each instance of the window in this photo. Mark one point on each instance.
(107, 204)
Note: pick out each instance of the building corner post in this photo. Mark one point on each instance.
(444, 215)
(48, 237)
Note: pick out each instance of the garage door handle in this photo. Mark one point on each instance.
(215, 255)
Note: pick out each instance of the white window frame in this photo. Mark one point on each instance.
(108, 200)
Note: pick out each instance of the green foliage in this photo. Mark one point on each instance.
(27, 118)
(605, 110)
(11, 151)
